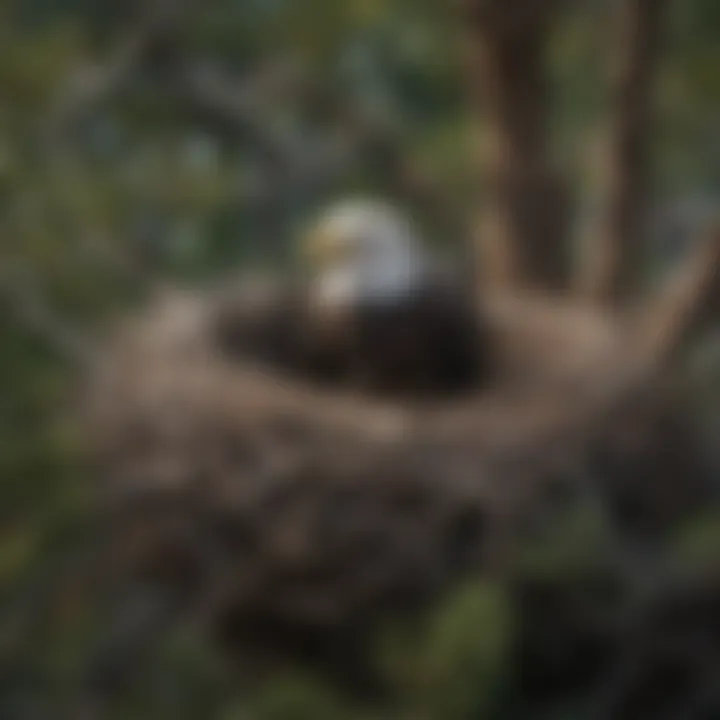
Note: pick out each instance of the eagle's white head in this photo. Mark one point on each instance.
(364, 251)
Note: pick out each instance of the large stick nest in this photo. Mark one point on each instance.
(294, 514)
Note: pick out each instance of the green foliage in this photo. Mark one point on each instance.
(572, 539)
(449, 664)
(697, 543)
(292, 698)
(453, 665)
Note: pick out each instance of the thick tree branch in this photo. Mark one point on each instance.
(654, 336)
(613, 258)
(523, 232)
(684, 309)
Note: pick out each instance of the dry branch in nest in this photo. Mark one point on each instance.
(297, 518)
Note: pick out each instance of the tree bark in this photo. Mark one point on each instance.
(613, 258)
(522, 235)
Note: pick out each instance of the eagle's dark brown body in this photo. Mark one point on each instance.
(430, 343)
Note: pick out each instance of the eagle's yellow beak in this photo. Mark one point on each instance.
(324, 247)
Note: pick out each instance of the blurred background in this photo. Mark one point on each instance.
(153, 141)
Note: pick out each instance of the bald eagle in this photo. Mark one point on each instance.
(374, 312)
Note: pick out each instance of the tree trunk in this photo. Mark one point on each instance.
(613, 258)
(522, 236)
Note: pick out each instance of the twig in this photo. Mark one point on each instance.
(90, 86)
(24, 299)
(683, 309)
